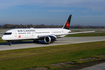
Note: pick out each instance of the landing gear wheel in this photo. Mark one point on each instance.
(36, 41)
(52, 41)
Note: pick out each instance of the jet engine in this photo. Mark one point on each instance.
(49, 39)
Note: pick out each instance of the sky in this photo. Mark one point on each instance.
(52, 12)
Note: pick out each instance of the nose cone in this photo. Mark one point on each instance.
(3, 37)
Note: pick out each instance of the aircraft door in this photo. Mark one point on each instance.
(34, 35)
(15, 34)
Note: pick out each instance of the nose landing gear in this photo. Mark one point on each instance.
(9, 43)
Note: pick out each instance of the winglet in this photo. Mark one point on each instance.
(67, 24)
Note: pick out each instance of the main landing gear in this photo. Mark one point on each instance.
(35, 41)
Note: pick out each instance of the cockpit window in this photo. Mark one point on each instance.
(9, 33)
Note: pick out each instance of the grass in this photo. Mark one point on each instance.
(86, 35)
(2, 41)
(45, 56)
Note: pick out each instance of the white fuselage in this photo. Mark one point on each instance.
(33, 33)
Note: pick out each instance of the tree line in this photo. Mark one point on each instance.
(45, 26)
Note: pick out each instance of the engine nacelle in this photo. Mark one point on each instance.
(49, 39)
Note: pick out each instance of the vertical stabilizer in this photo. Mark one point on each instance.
(67, 24)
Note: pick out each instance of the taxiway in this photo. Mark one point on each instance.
(60, 41)
(1, 35)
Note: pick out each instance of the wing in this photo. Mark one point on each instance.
(64, 34)
(57, 35)
(81, 32)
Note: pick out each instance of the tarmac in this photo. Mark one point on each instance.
(1, 35)
(100, 66)
(60, 41)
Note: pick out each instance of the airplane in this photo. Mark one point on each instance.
(48, 35)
